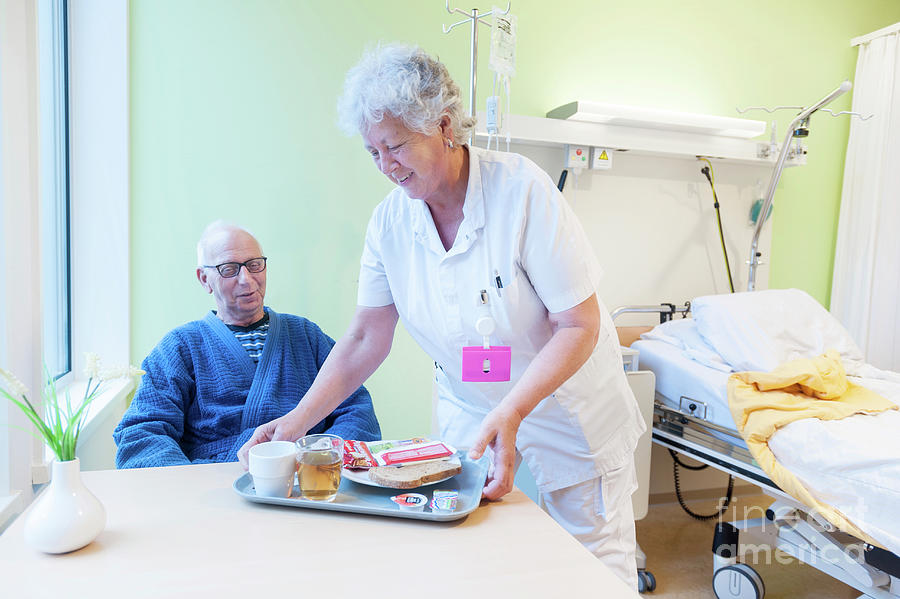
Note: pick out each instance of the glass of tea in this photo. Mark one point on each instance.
(320, 458)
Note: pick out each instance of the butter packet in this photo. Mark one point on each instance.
(444, 501)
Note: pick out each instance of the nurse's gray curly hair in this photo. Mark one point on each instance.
(403, 82)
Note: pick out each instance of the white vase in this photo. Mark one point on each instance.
(66, 516)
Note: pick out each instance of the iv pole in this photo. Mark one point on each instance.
(800, 121)
(475, 18)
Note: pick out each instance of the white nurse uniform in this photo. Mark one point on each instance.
(518, 227)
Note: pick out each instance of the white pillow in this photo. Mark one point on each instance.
(758, 330)
(683, 334)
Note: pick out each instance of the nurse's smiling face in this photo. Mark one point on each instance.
(417, 162)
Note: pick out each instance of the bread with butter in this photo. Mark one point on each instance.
(411, 476)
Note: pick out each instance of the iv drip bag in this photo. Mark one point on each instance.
(503, 43)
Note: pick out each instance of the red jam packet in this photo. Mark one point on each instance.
(410, 502)
(357, 455)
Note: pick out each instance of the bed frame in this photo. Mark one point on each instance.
(787, 525)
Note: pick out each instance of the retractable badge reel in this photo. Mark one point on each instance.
(483, 363)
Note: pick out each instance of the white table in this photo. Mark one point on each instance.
(183, 532)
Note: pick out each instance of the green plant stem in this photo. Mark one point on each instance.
(62, 423)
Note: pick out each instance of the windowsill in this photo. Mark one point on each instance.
(9, 509)
(111, 397)
(109, 400)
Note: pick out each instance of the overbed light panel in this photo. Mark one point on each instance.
(652, 118)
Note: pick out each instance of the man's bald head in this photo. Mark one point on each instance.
(218, 229)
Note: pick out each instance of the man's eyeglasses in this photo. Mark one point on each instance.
(228, 270)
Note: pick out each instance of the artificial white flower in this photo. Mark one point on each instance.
(15, 385)
(134, 371)
(91, 365)
(120, 372)
(112, 373)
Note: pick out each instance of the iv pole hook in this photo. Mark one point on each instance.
(475, 18)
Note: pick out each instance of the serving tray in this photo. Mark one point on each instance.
(365, 499)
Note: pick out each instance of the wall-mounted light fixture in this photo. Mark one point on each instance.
(653, 118)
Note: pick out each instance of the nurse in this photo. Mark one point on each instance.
(477, 249)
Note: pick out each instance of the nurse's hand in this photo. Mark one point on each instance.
(286, 428)
(498, 431)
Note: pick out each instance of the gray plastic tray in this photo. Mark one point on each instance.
(365, 499)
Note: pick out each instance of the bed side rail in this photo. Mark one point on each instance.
(666, 311)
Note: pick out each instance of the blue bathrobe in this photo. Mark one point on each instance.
(203, 396)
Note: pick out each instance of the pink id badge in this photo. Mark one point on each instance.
(480, 365)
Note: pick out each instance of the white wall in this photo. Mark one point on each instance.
(652, 223)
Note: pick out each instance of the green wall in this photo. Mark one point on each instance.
(232, 116)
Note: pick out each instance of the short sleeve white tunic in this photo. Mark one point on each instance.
(515, 224)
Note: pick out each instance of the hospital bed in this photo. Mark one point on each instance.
(851, 464)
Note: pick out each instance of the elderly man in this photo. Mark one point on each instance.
(211, 382)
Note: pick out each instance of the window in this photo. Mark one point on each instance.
(54, 174)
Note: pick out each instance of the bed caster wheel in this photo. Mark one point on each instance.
(738, 581)
(646, 582)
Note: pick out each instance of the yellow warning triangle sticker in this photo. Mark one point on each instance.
(603, 155)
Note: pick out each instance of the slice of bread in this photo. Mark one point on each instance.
(411, 476)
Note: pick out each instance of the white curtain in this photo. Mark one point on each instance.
(865, 293)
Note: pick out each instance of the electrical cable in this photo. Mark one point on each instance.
(710, 176)
(729, 493)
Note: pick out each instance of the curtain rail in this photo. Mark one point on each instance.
(875, 34)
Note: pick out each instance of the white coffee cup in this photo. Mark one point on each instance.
(273, 466)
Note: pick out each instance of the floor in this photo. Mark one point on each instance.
(679, 555)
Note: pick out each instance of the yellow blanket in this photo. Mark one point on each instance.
(763, 402)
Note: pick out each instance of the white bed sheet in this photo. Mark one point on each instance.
(677, 376)
(852, 464)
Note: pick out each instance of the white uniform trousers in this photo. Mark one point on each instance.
(597, 512)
